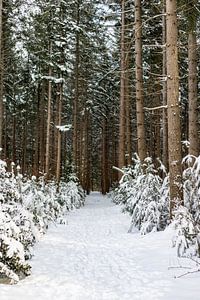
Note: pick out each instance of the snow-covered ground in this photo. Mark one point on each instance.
(93, 257)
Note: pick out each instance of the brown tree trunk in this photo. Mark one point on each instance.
(36, 144)
(58, 160)
(164, 96)
(42, 129)
(76, 96)
(127, 108)
(81, 151)
(24, 144)
(157, 118)
(192, 94)
(1, 79)
(105, 175)
(141, 141)
(84, 147)
(88, 158)
(122, 125)
(174, 125)
(14, 138)
(114, 157)
(48, 132)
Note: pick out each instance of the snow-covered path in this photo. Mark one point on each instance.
(94, 258)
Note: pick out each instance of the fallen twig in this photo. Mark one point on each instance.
(187, 273)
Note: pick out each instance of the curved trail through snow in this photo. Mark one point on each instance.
(93, 257)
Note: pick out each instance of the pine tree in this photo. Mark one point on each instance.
(174, 129)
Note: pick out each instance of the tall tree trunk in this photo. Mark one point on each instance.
(105, 175)
(174, 125)
(164, 94)
(58, 160)
(1, 78)
(42, 129)
(88, 159)
(84, 147)
(141, 141)
(114, 158)
(122, 125)
(24, 143)
(128, 123)
(14, 138)
(76, 96)
(81, 151)
(36, 144)
(48, 132)
(157, 118)
(192, 94)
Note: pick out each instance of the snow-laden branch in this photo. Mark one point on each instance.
(155, 108)
(118, 169)
(64, 128)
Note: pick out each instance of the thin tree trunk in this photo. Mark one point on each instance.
(157, 118)
(192, 94)
(105, 175)
(36, 144)
(122, 125)
(42, 129)
(128, 123)
(14, 138)
(48, 133)
(114, 158)
(58, 161)
(76, 96)
(55, 132)
(174, 125)
(142, 152)
(81, 151)
(1, 78)
(88, 175)
(164, 95)
(24, 144)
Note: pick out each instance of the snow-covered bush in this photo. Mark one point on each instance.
(187, 219)
(142, 193)
(26, 208)
(12, 255)
(186, 238)
(191, 177)
(70, 195)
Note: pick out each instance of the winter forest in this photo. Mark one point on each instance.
(99, 143)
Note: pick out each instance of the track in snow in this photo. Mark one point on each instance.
(94, 258)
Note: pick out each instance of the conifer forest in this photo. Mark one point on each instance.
(104, 96)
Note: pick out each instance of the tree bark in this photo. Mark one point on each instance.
(122, 125)
(105, 175)
(76, 95)
(174, 125)
(127, 107)
(192, 94)
(42, 129)
(48, 132)
(1, 78)
(141, 141)
(58, 160)
(164, 95)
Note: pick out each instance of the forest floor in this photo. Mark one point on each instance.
(92, 257)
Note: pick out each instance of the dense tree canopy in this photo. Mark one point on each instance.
(72, 78)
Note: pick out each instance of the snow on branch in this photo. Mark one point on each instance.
(64, 128)
(118, 169)
(156, 108)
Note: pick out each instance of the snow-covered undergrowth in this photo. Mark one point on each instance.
(26, 208)
(145, 196)
(187, 219)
